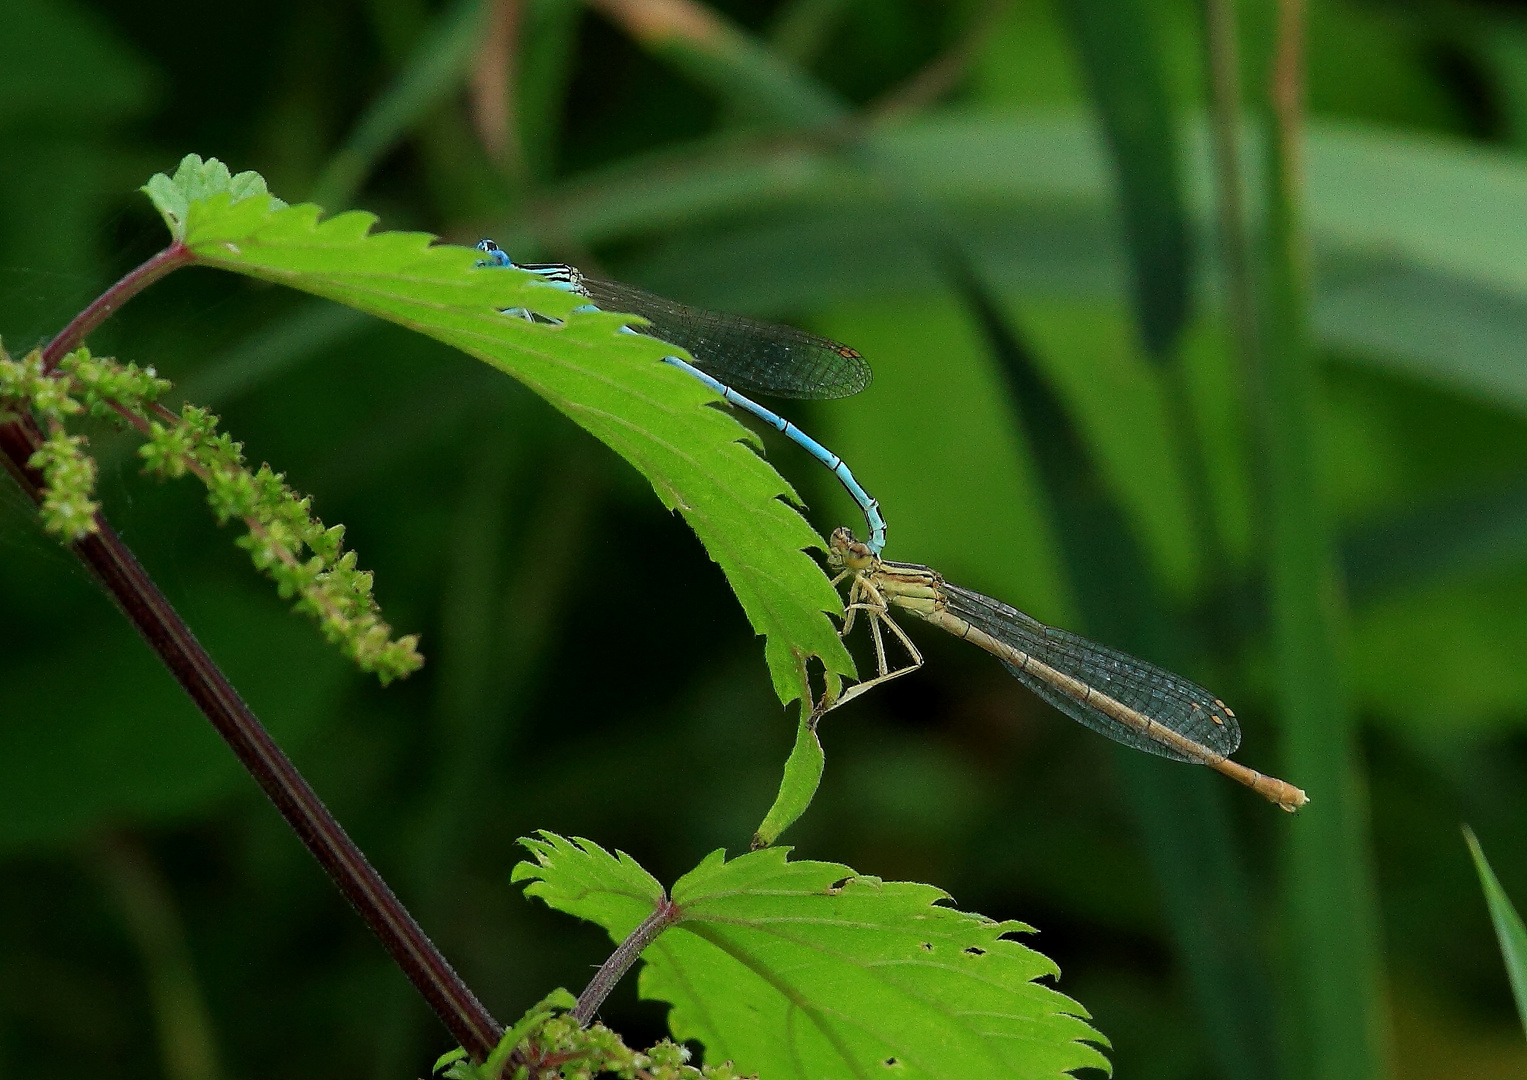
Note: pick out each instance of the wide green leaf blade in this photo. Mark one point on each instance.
(1334, 990)
(1117, 46)
(807, 969)
(699, 460)
(1508, 925)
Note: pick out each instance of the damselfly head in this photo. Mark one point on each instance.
(496, 256)
(844, 552)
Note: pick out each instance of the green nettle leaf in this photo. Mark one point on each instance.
(197, 181)
(804, 970)
(798, 786)
(583, 879)
(699, 459)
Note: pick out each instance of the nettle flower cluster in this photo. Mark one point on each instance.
(549, 1043)
(324, 583)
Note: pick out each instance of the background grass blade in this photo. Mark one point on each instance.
(1337, 1004)
(435, 68)
(187, 1038)
(758, 82)
(1508, 925)
(1117, 45)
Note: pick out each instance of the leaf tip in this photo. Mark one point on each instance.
(196, 180)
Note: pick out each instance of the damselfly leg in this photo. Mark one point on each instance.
(865, 596)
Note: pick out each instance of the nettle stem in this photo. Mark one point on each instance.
(146, 607)
(620, 961)
(131, 284)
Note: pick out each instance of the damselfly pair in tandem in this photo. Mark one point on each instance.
(1132, 702)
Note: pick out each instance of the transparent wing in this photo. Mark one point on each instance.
(750, 356)
(1168, 699)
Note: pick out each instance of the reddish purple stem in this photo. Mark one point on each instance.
(620, 961)
(132, 283)
(150, 612)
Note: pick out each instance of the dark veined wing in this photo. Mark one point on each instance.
(748, 355)
(1168, 699)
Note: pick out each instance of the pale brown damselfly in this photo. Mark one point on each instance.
(1132, 702)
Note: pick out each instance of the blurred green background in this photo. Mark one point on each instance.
(589, 671)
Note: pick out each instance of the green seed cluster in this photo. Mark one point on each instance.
(68, 510)
(68, 504)
(552, 1045)
(582, 1053)
(26, 387)
(102, 385)
(325, 585)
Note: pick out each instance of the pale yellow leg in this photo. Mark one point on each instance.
(864, 596)
(915, 661)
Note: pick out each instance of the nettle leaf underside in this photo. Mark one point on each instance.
(804, 970)
(699, 459)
